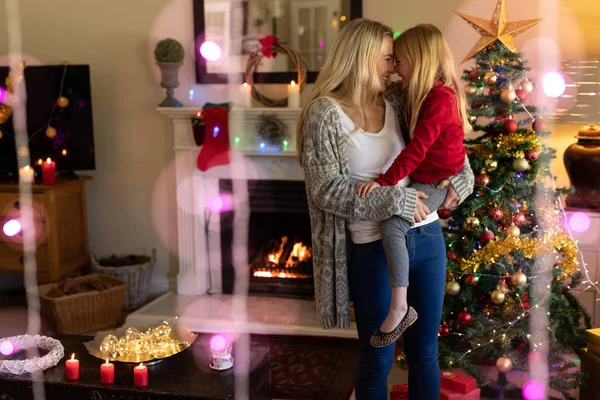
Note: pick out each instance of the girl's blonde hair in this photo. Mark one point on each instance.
(349, 75)
(429, 57)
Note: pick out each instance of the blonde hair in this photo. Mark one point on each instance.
(429, 57)
(349, 75)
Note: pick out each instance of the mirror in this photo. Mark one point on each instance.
(236, 26)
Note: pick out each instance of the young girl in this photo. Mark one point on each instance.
(437, 120)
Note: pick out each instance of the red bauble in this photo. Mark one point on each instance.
(444, 213)
(521, 94)
(519, 219)
(510, 126)
(474, 73)
(452, 255)
(487, 237)
(496, 214)
(464, 318)
(444, 330)
(476, 106)
(483, 180)
(531, 154)
(539, 125)
(471, 280)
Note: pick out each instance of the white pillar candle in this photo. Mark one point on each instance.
(26, 174)
(246, 95)
(293, 95)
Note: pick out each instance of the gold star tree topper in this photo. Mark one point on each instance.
(497, 29)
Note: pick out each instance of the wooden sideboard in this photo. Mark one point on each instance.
(589, 244)
(60, 218)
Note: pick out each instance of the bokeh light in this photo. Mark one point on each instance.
(11, 227)
(533, 390)
(580, 222)
(553, 84)
(210, 50)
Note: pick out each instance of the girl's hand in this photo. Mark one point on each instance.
(363, 189)
(421, 210)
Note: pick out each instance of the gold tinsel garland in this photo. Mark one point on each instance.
(508, 144)
(555, 241)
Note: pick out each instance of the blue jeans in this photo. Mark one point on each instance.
(371, 296)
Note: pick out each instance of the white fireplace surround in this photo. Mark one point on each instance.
(195, 187)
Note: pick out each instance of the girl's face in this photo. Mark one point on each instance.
(385, 63)
(402, 69)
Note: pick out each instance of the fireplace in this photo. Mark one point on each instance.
(279, 239)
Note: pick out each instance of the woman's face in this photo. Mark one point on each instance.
(402, 69)
(385, 63)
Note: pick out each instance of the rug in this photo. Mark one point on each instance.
(310, 368)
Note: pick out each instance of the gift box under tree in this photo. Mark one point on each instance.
(453, 387)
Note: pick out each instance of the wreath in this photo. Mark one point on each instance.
(270, 47)
(56, 351)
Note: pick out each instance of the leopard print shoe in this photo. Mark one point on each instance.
(382, 339)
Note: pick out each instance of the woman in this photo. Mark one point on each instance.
(348, 133)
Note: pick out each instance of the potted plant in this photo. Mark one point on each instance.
(169, 54)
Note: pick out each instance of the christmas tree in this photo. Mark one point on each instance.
(509, 235)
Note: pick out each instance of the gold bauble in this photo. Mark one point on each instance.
(508, 95)
(470, 88)
(513, 230)
(520, 164)
(50, 132)
(63, 102)
(503, 287)
(491, 164)
(490, 78)
(497, 296)
(527, 86)
(453, 288)
(518, 278)
(504, 364)
(471, 223)
(472, 119)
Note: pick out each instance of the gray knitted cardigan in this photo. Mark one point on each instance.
(332, 200)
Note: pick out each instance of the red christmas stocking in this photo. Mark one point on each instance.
(215, 150)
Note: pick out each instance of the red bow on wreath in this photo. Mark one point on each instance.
(266, 44)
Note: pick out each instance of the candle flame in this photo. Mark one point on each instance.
(48, 160)
(141, 365)
(293, 83)
(73, 356)
(26, 168)
(64, 152)
(40, 161)
(245, 84)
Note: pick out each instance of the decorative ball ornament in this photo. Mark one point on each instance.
(63, 102)
(471, 280)
(510, 126)
(532, 155)
(50, 132)
(487, 236)
(444, 213)
(444, 330)
(452, 255)
(490, 78)
(471, 88)
(452, 288)
(508, 95)
(521, 94)
(497, 296)
(539, 125)
(520, 164)
(527, 86)
(518, 278)
(476, 106)
(471, 223)
(503, 287)
(483, 180)
(496, 214)
(464, 318)
(519, 219)
(401, 360)
(491, 164)
(513, 230)
(475, 73)
(472, 119)
(504, 364)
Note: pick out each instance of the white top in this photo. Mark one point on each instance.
(370, 154)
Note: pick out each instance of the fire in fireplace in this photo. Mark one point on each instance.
(279, 239)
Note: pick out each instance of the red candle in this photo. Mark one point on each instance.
(107, 373)
(140, 376)
(49, 172)
(72, 368)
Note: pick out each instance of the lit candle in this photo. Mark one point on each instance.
(26, 174)
(107, 373)
(140, 376)
(49, 172)
(247, 95)
(72, 368)
(293, 95)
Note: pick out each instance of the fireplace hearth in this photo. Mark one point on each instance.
(279, 239)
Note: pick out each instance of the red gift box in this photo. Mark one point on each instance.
(399, 392)
(448, 394)
(447, 378)
(464, 384)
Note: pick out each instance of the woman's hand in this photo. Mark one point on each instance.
(421, 210)
(363, 189)
(452, 197)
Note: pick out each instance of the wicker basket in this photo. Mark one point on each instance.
(84, 312)
(137, 276)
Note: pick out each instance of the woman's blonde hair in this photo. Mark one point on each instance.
(429, 57)
(349, 75)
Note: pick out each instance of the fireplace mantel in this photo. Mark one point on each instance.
(195, 187)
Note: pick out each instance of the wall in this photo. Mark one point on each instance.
(131, 201)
